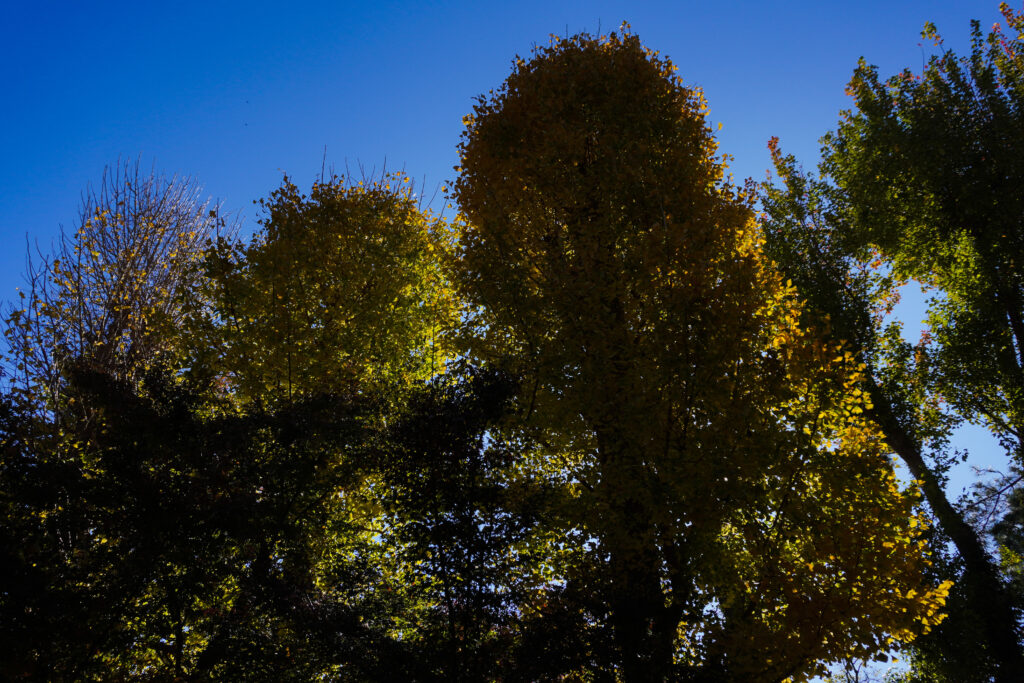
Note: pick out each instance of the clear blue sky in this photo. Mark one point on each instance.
(235, 93)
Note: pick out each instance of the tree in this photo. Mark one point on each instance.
(470, 533)
(162, 537)
(338, 289)
(267, 469)
(170, 536)
(110, 290)
(921, 179)
(158, 525)
(712, 436)
(807, 230)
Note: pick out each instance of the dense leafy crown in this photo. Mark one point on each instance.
(340, 287)
(932, 167)
(607, 255)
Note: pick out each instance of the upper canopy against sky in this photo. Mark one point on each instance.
(235, 94)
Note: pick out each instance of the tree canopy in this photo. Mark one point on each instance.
(607, 255)
(338, 288)
(606, 423)
(919, 182)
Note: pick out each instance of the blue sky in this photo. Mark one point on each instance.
(235, 94)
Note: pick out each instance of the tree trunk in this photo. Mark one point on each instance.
(643, 633)
(989, 598)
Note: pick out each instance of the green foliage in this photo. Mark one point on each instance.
(178, 544)
(166, 537)
(931, 164)
(339, 288)
(920, 182)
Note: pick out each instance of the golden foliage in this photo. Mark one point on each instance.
(729, 462)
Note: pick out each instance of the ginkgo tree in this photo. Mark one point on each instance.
(743, 509)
